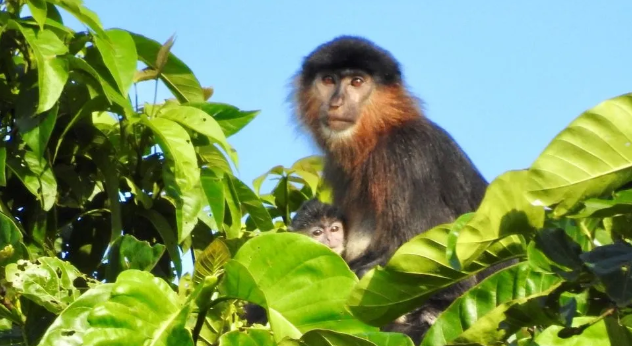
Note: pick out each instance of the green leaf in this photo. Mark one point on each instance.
(84, 15)
(71, 325)
(229, 118)
(163, 53)
(11, 246)
(167, 234)
(234, 208)
(562, 253)
(253, 205)
(141, 310)
(140, 197)
(104, 159)
(202, 123)
(595, 334)
(493, 296)
(276, 170)
(38, 10)
(49, 284)
(611, 263)
(36, 131)
(187, 211)
(176, 144)
(3, 166)
(37, 176)
(301, 283)
(213, 187)
(215, 159)
(52, 71)
(250, 337)
(590, 158)
(504, 211)
(211, 261)
(417, 270)
(119, 55)
(176, 75)
(127, 252)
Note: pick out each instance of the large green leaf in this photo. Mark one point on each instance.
(49, 283)
(38, 10)
(418, 269)
(200, 122)
(83, 14)
(52, 71)
(141, 310)
(175, 74)
(301, 283)
(591, 157)
(504, 211)
(71, 325)
(176, 144)
(595, 334)
(498, 291)
(229, 118)
(119, 55)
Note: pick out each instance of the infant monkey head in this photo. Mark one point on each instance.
(321, 222)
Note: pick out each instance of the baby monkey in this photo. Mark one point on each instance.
(321, 222)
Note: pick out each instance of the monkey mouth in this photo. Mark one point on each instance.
(337, 123)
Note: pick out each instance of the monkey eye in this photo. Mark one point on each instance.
(335, 228)
(317, 232)
(357, 81)
(328, 79)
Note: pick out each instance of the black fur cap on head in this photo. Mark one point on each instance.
(351, 52)
(312, 212)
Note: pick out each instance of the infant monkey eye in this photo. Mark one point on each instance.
(335, 228)
(328, 79)
(357, 81)
(317, 231)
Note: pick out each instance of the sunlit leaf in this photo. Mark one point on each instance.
(252, 204)
(36, 131)
(302, 284)
(141, 309)
(498, 291)
(83, 14)
(591, 157)
(252, 337)
(213, 187)
(71, 325)
(119, 55)
(176, 144)
(49, 283)
(229, 118)
(127, 252)
(38, 10)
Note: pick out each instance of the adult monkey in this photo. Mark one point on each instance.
(394, 172)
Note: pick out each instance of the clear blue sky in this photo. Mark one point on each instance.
(503, 77)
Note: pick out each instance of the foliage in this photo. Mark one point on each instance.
(100, 197)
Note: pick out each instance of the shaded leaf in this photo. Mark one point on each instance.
(167, 234)
(11, 246)
(213, 187)
(36, 131)
(612, 264)
(253, 205)
(37, 177)
(163, 53)
(211, 260)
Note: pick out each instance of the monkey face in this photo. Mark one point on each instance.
(342, 96)
(330, 234)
